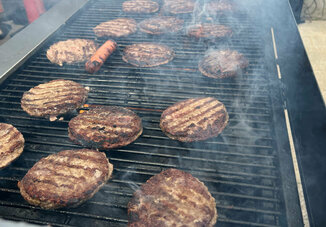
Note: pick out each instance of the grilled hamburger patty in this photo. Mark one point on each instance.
(219, 7)
(105, 127)
(179, 6)
(194, 119)
(208, 30)
(54, 98)
(116, 28)
(65, 179)
(140, 6)
(11, 144)
(172, 198)
(71, 51)
(161, 24)
(222, 63)
(147, 54)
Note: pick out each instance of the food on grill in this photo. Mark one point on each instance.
(94, 64)
(54, 98)
(65, 179)
(161, 24)
(209, 31)
(222, 64)
(11, 144)
(147, 54)
(194, 119)
(116, 28)
(71, 51)
(105, 127)
(172, 198)
(219, 7)
(179, 6)
(140, 6)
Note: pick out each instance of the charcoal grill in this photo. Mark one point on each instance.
(249, 168)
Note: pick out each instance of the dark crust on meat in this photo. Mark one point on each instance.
(54, 98)
(147, 54)
(156, 203)
(161, 25)
(140, 6)
(105, 127)
(71, 51)
(194, 119)
(209, 31)
(65, 179)
(222, 64)
(119, 27)
(11, 144)
(179, 6)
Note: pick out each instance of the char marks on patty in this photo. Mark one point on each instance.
(105, 127)
(116, 28)
(209, 31)
(172, 198)
(54, 98)
(179, 6)
(194, 119)
(11, 144)
(161, 25)
(65, 179)
(140, 6)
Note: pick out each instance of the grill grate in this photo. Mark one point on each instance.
(240, 167)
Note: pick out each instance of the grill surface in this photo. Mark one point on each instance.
(241, 167)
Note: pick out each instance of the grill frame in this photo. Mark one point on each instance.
(284, 155)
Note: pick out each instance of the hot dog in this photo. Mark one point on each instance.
(100, 56)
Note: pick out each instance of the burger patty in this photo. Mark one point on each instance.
(71, 51)
(105, 127)
(54, 98)
(194, 119)
(209, 31)
(161, 25)
(222, 64)
(116, 28)
(11, 144)
(172, 198)
(179, 6)
(140, 6)
(219, 7)
(65, 179)
(147, 54)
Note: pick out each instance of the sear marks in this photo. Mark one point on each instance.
(105, 127)
(65, 179)
(54, 98)
(194, 119)
(172, 198)
(11, 144)
(140, 6)
(147, 54)
(222, 64)
(179, 6)
(71, 51)
(161, 25)
(116, 28)
(209, 31)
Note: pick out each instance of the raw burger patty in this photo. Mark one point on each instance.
(179, 6)
(65, 179)
(161, 25)
(172, 198)
(54, 98)
(71, 51)
(194, 119)
(105, 127)
(147, 54)
(209, 31)
(116, 28)
(222, 63)
(140, 6)
(11, 144)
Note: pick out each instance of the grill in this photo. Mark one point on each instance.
(246, 168)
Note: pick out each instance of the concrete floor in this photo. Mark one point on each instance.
(313, 35)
